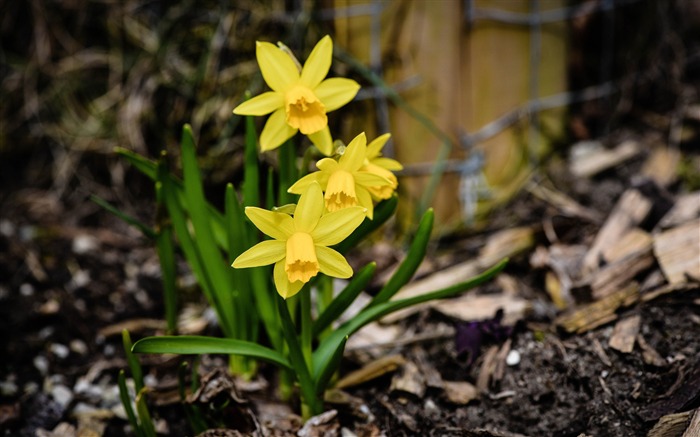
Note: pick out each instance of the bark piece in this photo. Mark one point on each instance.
(678, 252)
(590, 158)
(460, 392)
(325, 424)
(625, 333)
(481, 307)
(631, 209)
(634, 241)
(487, 368)
(694, 426)
(430, 373)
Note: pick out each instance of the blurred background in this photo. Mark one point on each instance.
(476, 93)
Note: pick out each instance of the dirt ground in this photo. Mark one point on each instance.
(73, 276)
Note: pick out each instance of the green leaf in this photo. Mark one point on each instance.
(195, 345)
(126, 402)
(134, 364)
(328, 348)
(144, 165)
(132, 221)
(149, 430)
(332, 366)
(344, 299)
(217, 270)
(410, 264)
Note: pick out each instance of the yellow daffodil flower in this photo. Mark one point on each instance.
(298, 101)
(344, 182)
(299, 248)
(381, 166)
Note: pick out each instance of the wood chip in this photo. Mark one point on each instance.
(598, 313)
(615, 276)
(506, 244)
(481, 307)
(634, 241)
(488, 366)
(409, 380)
(591, 158)
(662, 165)
(625, 333)
(133, 326)
(460, 392)
(432, 376)
(694, 427)
(649, 354)
(631, 209)
(678, 252)
(672, 425)
(373, 370)
(686, 208)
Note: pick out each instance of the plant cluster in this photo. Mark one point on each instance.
(286, 254)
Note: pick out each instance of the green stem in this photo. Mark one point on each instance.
(306, 324)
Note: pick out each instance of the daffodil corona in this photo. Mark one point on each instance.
(344, 182)
(298, 101)
(381, 166)
(299, 248)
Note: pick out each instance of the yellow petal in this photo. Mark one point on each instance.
(260, 105)
(335, 227)
(332, 263)
(277, 67)
(276, 131)
(321, 177)
(323, 141)
(285, 288)
(388, 163)
(354, 156)
(336, 92)
(367, 179)
(275, 224)
(365, 201)
(318, 63)
(262, 254)
(327, 165)
(374, 148)
(309, 209)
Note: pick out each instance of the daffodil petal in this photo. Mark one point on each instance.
(388, 163)
(327, 164)
(365, 200)
(262, 254)
(336, 92)
(323, 141)
(374, 148)
(285, 288)
(318, 63)
(277, 67)
(335, 227)
(332, 263)
(260, 105)
(275, 224)
(302, 184)
(354, 156)
(276, 131)
(368, 179)
(310, 208)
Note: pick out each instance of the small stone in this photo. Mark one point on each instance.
(84, 244)
(78, 346)
(7, 228)
(46, 332)
(26, 289)
(62, 395)
(108, 350)
(50, 307)
(41, 364)
(8, 388)
(513, 358)
(60, 350)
